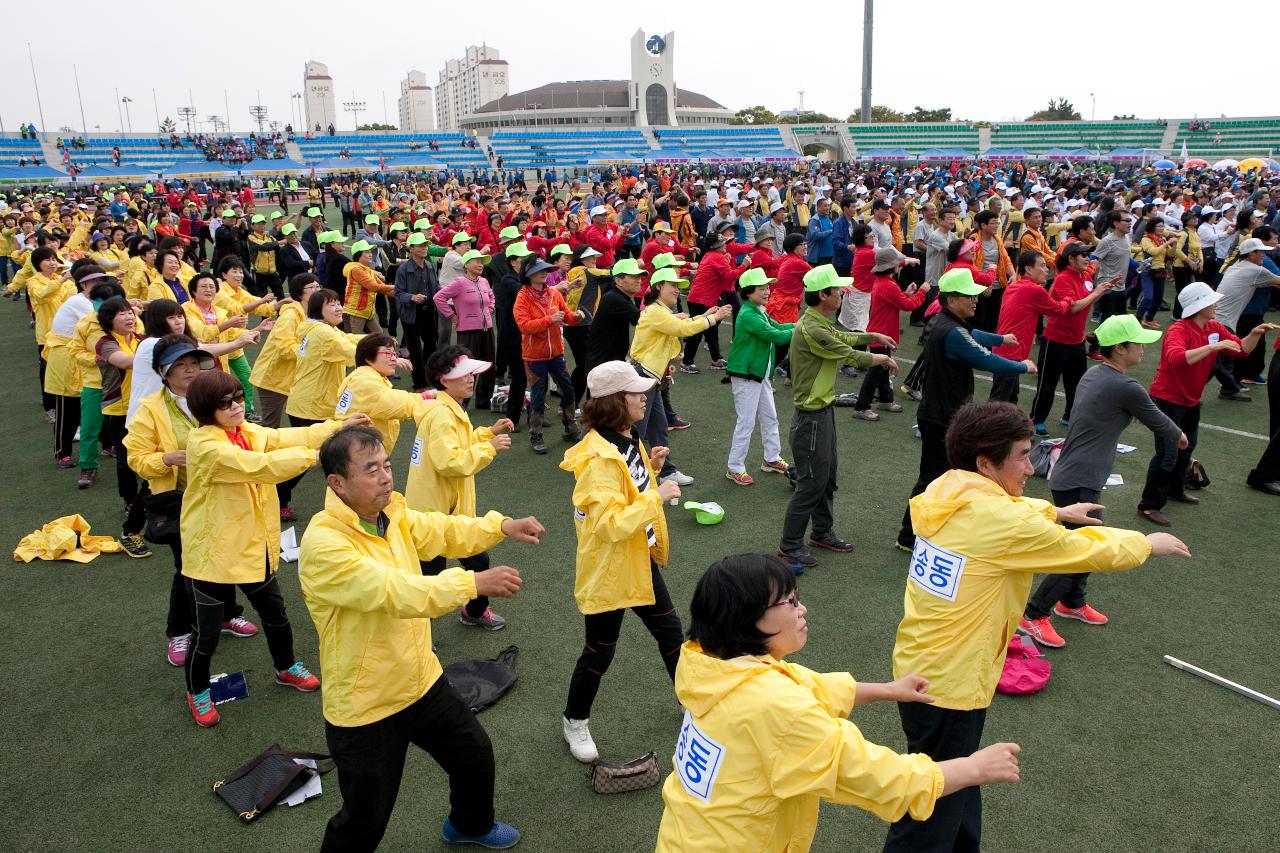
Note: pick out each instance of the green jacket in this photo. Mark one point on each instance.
(817, 348)
(755, 334)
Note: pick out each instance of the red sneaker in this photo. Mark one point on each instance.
(1085, 614)
(238, 626)
(203, 711)
(1041, 630)
(298, 677)
(287, 513)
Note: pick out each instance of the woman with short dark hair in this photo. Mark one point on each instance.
(114, 355)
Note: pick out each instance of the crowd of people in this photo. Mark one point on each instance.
(434, 303)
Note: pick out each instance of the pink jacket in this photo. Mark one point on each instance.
(472, 303)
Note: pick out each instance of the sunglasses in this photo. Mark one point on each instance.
(230, 400)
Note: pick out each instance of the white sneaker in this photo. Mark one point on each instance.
(679, 478)
(578, 736)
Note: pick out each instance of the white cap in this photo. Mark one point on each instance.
(1208, 209)
(908, 191)
(1253, 244)
(768, 180)
(753, 194)
(590, 253)
(775, 207)
(1137, 203)
(1196, 297)
(599, 210)
(1010, 192)
(1001, 185)
(1031, 205)
(1159, 202)
(744, 203)
(467, 366)
(698, 182)
(861, 190)
(612, 377)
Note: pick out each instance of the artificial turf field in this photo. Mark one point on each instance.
(1120, 751)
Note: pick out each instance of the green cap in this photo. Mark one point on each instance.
(666, 259)
(417, 239)
(462, 237)
(661, 276)
(229, 213)
(257, 217)
(627, 266)
(422, 225)
(361, 246)
(275, 214)
(398, 226)
(288, 228)
(473, 254)
(560, 249)
(959, 280)
(509, 233)
(332, 237)
(822, 277)
(314, 211)
(1124, 329)
(754, 277)
(517, 250)
(372, 219)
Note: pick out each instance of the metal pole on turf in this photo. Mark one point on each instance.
(1223, 682)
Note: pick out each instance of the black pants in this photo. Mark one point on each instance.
(576, 338)
(67, 422)
(1182, 276)
(113, 432)
(207, 603)
(47, 400)
(388, 314)
(915, 376)
(284, 491)
(370, 761)
(601, 642)
(1253, 364)
(956, 822)
(933, 464)
(813, 451)
(987, 317)
(1169, 464)
(1069, 589)
(349, 222)
(420, 340)
(476, 607)
(1224, 371)
(1268, 467)
(181, 618)
(1005, 387)
(518, 385)
(711, 335)
(482, 345)
(1065, 361)
(265, 281)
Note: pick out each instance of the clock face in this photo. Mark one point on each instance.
(655, 45)
(655, 69)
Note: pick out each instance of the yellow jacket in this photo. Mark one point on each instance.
(1161, 256)
(763, 742)
(158, 288)
(277, 361)
(235, 301)
(365, 391)
(208, 333)
(83, 348)
(977, 550)
(447, 454)
(144, 282)
(108, 260)
(230, 512)
(324, 354)
(47, 296)
(609, 517)
(372, 606)
(61, 372)
(658, 335)
(149, 438)
(25, 271)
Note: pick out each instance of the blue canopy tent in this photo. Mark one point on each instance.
(32, 174)
(609, 158)
(196, 169)
(1069, 154)
(722, 156)
(668, 155)
(345, 164)
(416, 162)
(1121, 154)
(945, 154)
(283, 166)
(885, 154)
(777, 155)
(114, 173)
(1005, 154)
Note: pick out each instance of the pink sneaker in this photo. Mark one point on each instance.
(742, 478)
(1085, 614)
(238, 626)
(777, 466)
(178, 647)
(1042, 631)
(299, 677)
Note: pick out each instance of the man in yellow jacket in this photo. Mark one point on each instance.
(372, 606)
(978, 545)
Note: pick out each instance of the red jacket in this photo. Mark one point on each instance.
(715, 275)
(888, 301)
(1068, 286)
(542, 245)
(606, 240)
(1023, 303)
(653, 248)
(986, 279)
(864, 260)
(540, 337)
(785, 296)
(1176, 381)
(767, 261)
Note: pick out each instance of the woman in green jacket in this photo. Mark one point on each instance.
(751, 363)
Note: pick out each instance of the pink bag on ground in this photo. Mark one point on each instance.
(1025, 669)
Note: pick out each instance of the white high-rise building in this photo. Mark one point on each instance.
(465, 84)
(318, 98)
(417, 113)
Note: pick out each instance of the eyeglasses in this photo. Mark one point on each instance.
(791, 600)
(390, 352)
(230, 400)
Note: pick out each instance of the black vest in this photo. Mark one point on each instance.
(948, 384)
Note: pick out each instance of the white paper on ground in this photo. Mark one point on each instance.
(289, 545)
(1125, 448)
(1115, 480)
(310, 790)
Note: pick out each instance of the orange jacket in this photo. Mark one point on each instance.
(363, 284)
(540, 335)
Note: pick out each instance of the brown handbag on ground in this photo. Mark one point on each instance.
(634, 775)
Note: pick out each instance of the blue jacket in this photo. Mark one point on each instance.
(818, 236)
(841, 254)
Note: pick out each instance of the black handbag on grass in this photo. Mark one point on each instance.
(254, 787)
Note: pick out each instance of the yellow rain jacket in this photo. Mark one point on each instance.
(65, 538)
(158, 288)
(209, 333)
(372, 606)
(61, 372)
(324, 354)
(658, 335)
(230, 512)
(977, 550)
(24, 273)
(277, 361)
(234, 300)
(447, 454)
(47, 296)
(150, 437)
(763, 742)
(365, 391)
(83, 347)
(609, 517)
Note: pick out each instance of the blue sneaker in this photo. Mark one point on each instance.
(1064, 422)
(499, 837)
(1041, 432)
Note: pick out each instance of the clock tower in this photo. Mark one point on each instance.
(653, 84)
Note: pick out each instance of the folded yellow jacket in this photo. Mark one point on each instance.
(65, 538)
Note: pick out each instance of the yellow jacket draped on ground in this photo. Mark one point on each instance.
(763, 741)
(609, 517)
(372, 606)
(65, 538)
(447, 454)
(324, 354)
(658, 335)
(277, 361)
(230, 512)
(365, 391)
(977, 550)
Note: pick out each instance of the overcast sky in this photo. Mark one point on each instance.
(972, 58)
